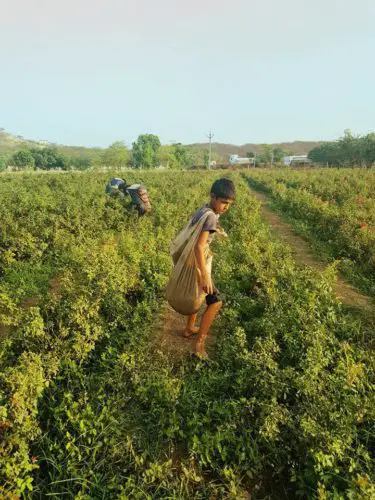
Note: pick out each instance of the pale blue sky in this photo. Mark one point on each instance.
(89, 72)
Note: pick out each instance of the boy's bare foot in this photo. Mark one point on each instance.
(188, 332)
(202, 355)
(200, 350)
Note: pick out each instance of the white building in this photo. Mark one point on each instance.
(236, 160)
(295, 160)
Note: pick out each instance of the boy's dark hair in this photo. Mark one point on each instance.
(224, 188)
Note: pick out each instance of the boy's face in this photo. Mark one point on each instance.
(220, 205)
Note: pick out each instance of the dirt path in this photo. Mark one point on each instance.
(169, 331)
(169, 334)
(303, 254)
(4, 331)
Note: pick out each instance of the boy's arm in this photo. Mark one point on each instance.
(199, 251)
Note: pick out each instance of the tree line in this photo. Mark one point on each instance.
(349, 150)
(269, 155)
(146, 152)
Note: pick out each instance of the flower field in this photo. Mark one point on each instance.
(335, 207)
(91, 408)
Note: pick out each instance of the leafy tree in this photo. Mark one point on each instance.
(350, 153)
(278, 154)
(367, 146)
(3, 164)
(82, 162)
(23, 158)
(180, 152)
(49, 159)
(315, 154)
(167, 158)
(329, 153)
(250, 154)
(266, 155)
(41, 159)
(186, 156)
(346, 151)
(190, 157)
(145, 151)
(116, 155)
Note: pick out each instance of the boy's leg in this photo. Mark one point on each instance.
(206, 322)
(190, 326)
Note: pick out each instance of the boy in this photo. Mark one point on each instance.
(222, 196)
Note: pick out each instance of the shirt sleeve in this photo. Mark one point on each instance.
(210, 223)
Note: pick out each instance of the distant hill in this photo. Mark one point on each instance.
(224, 150)
(10, 143)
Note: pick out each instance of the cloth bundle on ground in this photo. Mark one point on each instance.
(184, 292)
(139, 197)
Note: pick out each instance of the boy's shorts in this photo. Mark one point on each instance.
(214, 297)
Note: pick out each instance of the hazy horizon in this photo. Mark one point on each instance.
(224, 143)
(90, 73)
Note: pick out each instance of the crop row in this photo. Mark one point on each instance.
(336, 207)
(81, 256)
(92, 407)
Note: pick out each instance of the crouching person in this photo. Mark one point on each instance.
(116, 188)
(191, 281)
(139, 200)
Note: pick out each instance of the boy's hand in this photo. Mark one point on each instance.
(207, 285)
(220, 231)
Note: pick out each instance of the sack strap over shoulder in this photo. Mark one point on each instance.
(202, 218)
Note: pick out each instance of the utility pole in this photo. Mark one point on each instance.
(210, 136)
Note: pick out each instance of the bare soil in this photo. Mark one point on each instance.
(169, 334)
(304, 255)
(4, 330)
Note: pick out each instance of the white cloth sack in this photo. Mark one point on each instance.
(184, 291)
